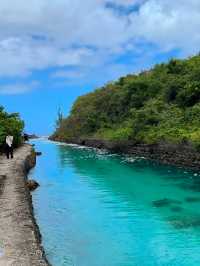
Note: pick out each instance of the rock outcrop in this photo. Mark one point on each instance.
(32, 185)
(173, 154)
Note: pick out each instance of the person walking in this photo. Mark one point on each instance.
(9, 146)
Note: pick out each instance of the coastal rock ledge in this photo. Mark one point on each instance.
(20, 239)
(181, 155)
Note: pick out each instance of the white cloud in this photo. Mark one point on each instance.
(123, 2)
(169, 24)
(68, 74)
(35, 35)
(18, 88)
(21, 56)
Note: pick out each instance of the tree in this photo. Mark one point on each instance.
(59, 118)
(10, 124)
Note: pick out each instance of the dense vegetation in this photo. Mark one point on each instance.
(162, 104)
(10, 124)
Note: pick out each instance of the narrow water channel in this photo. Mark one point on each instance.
(98, 209)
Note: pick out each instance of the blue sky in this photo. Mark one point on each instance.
(52, 51)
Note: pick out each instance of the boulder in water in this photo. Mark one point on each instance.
(38, 153)
(165, 202)
(32, 185)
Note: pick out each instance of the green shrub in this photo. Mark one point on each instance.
(10, 124)
(189, 95)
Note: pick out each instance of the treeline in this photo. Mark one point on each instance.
(162, 104)
(10, 124)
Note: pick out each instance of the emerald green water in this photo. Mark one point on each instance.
(98, 209)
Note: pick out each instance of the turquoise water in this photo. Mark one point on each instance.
(99, 209)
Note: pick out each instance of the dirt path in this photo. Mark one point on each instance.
(19, 234)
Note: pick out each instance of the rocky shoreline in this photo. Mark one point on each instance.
(20, 239)
(182, 155)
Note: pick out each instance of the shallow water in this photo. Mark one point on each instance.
(99, 209)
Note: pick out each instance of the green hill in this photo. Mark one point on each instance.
(162, 104)
(10, 124)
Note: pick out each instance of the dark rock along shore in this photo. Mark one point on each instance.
(20, 239)
(172, 154)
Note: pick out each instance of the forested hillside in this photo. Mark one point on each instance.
(162, 104)
(10, 124)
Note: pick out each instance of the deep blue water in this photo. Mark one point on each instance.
(99, 209)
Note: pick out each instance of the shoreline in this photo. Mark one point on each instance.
(180, 155)
(20, 238)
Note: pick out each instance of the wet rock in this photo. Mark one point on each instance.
(196, 179)
(165, 202)
(38, 153)
(184, 222)
(161, 203)
(176, 209)
(182, 154)
(192, 199)
(32, 185)
(192, 187)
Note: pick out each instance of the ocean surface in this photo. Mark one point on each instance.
(100, 209)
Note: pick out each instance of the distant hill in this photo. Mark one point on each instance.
(159, 105)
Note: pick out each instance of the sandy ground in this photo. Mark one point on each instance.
(19, 234)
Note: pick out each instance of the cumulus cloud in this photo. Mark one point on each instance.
(20, 56)
(39, 34)
(169, 24)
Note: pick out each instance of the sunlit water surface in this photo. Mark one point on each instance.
(98, 209)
